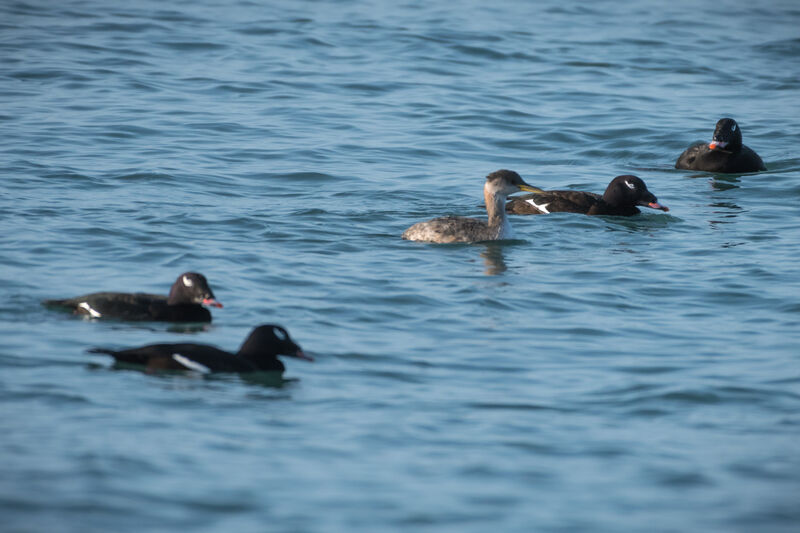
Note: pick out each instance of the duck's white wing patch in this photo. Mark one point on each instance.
(88, 308)
(191, 365)
(542, 208)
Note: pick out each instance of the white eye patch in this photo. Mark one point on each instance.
(630, 185)
(733, 128)
(188, 281)
(280, 334)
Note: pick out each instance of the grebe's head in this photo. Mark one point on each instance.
(507, 182)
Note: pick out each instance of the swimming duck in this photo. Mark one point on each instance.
(185, 302)
(621, 197)
(258, 353)
(725, 153)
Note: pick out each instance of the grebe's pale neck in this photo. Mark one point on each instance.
(495, 199)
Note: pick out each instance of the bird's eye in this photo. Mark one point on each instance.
(630, 185)
(187, 281)
(733, 128)
(280, 334)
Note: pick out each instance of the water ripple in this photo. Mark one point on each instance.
(601, 364)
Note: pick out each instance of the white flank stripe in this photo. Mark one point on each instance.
(191, 365)
(542, 208)
(88, 308)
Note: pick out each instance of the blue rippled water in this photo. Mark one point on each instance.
(597, 374)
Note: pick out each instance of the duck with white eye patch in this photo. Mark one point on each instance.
(185, 303)
(620, 198)
(724, 154)
(258, 353)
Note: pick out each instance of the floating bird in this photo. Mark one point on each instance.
(258, 353)
(622, 196)
(185, 302)
(725, 153)
(498, 186)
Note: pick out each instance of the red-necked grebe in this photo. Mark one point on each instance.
(498, 186)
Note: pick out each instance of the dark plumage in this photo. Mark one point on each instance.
(185, 302)
(725, 153)
(622, 196)
(258, 353)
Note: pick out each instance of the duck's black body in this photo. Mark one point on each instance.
(725, 153)
(258, 354)
(621, 197)
(185, 303)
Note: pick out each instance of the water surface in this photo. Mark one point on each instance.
(596, 374)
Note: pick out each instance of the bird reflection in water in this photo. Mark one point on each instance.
(493, 259)
(724, 183)
(722, 211)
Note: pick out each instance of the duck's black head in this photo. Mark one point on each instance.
(192, 288)
(727, 136)
(266, 342)
(628, 190)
